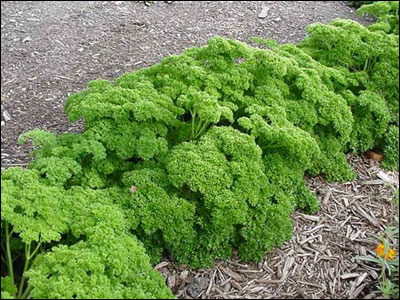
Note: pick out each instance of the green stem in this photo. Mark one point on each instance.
(27, 293)
(366, 65)
(203, 128)
(35, 251)
(26, 266)
(193, 119)
(198, 128)
(9, 257)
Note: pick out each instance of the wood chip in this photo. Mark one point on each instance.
(6, 116)
(232, 274)
(171, 281)
(287, 267)
(373, 182)
(184, 275)
(309, 239)
(361, 278)
(357, 292)
(236, 285)
(327, 197)
(349, 275)
(310, 218)
(161, 265)
(382, 175)
(211, 283)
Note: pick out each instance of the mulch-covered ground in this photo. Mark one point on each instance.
(51, 49)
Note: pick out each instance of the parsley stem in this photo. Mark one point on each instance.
(35, 251)
(202, 130)
(193, 120)
(27, 293)
(26, 266)
(199, 125)
(9, 257)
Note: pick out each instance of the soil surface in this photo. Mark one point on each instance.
(52, 49)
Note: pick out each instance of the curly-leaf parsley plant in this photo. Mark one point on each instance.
(205, 153)
(73, 243)
(369, 62)
(386, 14)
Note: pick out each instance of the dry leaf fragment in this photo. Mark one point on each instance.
(374, 156)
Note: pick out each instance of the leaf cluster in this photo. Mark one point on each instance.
(197, 157)
(74, 242)
(386, 14)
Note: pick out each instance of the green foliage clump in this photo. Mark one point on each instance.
(198, 156)
(386, 14)
(8, 288)
(73, 243)
(103, 267)
(390, 148)
(369, 61)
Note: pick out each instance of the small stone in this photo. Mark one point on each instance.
(264, 12)
(197, 286)
(278, 19)
(3, 123)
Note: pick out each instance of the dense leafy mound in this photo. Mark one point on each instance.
(104, 261)
(386, 14)
(197, 156)
(369, 60)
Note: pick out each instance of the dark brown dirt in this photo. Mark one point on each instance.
(50, 49)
